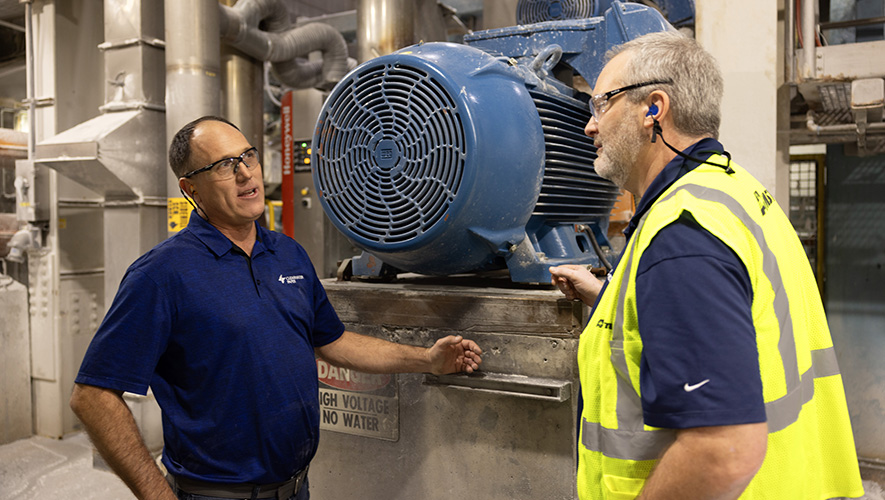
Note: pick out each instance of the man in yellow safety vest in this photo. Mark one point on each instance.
(707, 368)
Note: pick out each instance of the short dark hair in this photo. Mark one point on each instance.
(180, 147)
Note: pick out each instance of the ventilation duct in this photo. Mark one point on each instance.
(283, 44)
(120, 154)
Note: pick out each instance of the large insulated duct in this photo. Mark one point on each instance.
(120, 154)
(284, 45)
(116, 153)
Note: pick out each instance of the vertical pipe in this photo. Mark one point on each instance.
(790, 40)
(500, 13)
(242, 84)
(193, 65)
(384, 26)
(809, 27)
(29, 72)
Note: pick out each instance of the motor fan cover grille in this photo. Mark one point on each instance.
(391, 153)
(536, 11)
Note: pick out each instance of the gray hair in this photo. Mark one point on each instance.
(696, 91)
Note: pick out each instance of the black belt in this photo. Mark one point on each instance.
(281, 491)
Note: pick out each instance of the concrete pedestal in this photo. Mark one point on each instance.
(507, 433)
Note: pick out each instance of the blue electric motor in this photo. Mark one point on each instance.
(443, 158)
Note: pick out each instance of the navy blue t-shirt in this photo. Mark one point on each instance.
(700, 364)
(226, 342)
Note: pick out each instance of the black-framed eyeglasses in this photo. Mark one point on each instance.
(226, 168)
(599, 102)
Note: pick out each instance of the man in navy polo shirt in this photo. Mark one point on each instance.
(223, 321)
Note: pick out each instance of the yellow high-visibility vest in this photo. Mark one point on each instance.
(811, 453)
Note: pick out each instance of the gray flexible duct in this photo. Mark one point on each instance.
(284, 45)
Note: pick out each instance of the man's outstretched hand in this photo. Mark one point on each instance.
(454, 354)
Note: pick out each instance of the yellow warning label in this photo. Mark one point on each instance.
(178, 211)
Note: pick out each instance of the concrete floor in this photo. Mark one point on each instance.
(873, 491)
(38, 468)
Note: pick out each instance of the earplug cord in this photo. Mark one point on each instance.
(658, 131)
(194, 204)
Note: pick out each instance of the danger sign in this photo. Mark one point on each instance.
(358, 403)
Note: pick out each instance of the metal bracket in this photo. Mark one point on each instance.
(506, 384)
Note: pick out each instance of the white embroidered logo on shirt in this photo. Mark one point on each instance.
(288, 280)
(689, 388)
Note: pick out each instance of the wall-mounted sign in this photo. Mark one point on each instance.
(178, 212)
(363, 404)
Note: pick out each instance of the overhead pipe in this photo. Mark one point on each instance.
(283, 44)
(852, 23)
(859, 129)
(249, 13)
(841, 128)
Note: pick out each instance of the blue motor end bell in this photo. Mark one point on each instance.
(430, 158)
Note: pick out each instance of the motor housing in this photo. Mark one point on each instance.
(444, 158)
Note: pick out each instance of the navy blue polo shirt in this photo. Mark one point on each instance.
(226, 342)
(700, 364)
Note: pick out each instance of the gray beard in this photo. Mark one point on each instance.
(620, 153)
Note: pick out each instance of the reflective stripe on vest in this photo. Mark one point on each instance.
(630, 441)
